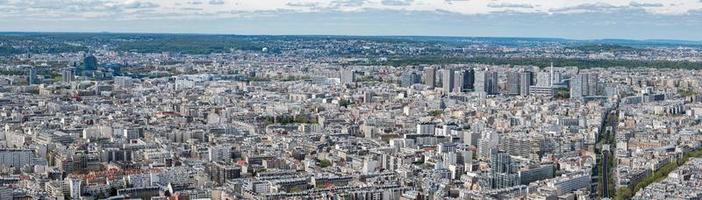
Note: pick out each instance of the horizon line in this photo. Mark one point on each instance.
(345, 35)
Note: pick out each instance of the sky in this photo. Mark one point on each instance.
(574, 19)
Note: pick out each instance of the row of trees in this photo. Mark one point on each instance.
(660, 174)
(187, 46)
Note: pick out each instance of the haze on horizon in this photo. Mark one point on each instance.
(573, 19)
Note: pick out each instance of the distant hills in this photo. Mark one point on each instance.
(516, 41)
(12, 43)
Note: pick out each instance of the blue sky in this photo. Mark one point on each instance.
(576, 19)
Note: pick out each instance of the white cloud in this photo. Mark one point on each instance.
(397, 2)
(231, 8)
(216, 2)
(639, 4)
(140, 5)
(509, 5)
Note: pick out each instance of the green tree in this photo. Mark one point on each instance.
(323, 163)
(435, 113)
(623, 194)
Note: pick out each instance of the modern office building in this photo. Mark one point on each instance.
(486, 81)
(457, 81)
(467, 80)
(221, 172)
(543, 79)
(584, 85)
(525, 81)
(447, 80)
(32, 76)
(219, 153)
(410, 78)
(348, 76)
(479, 84)
(67, 75)
(513, 83)
(429, 77)
(542, 90)
(542, 172)
(90, 63)
(16, 157)
(426, 128)
(463, 80)
(491, 83)
(578, 86)
(503, 172)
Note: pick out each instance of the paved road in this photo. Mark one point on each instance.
(605, 182)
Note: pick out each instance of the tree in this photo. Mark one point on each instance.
(102, 195)
(345, 103)
(623, 194)
(435, 113)
(113, 191)
(324, 163)
(295, 189)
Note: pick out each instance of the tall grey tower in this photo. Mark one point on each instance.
(32, 76)
(584, 85)
(491, 82)
(551, 77)
(463, 80)
(525, 81)
(429, 77)
(486, 81)
(348, 76)
(513, 83)
(447, 80)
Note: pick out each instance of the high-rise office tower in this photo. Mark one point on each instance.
(513, 83)
(543, 79)
(409, 79)
(447, 80)
(464, 80)
(429, 77)
(486, 81)
(552, 76)
(479, 81)
(555, 76)
(491, 82)
(457, 81)
(67, 75)
(525, 81)
(90, 63)
(584, 85)
(593, 85)
(578, 86)
(348, 76)
(468, 79)
(32, 76)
